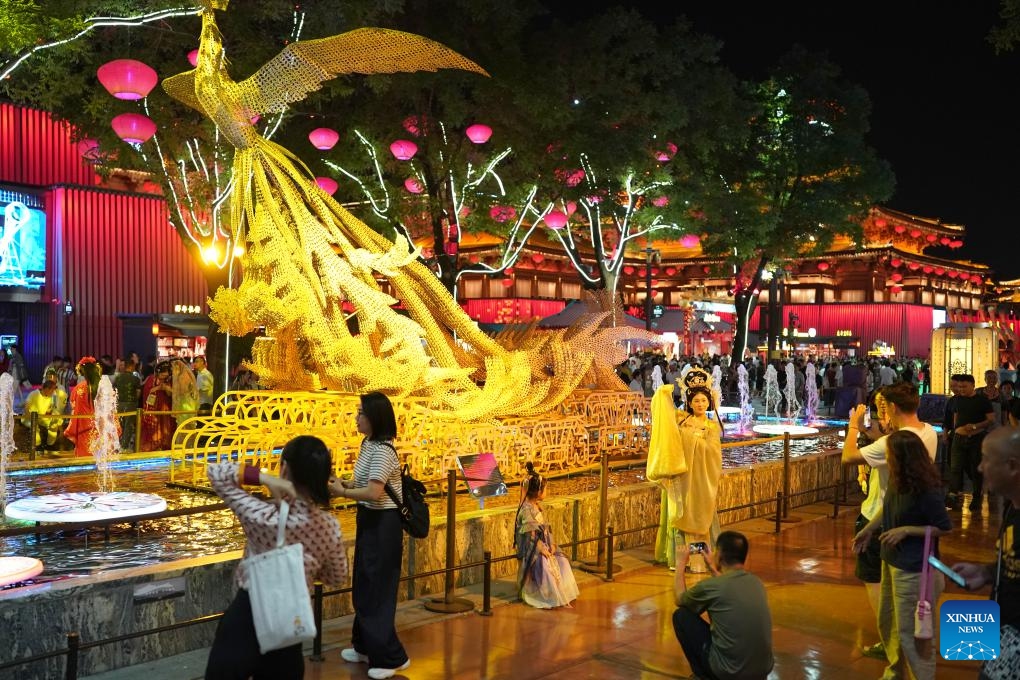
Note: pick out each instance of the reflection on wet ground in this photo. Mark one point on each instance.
(86, 551)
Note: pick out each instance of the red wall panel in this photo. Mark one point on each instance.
(906, 327)
(121, 256)
(37, 150)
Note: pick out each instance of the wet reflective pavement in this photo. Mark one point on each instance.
(622, 629)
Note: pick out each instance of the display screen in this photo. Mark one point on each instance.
(22, 241)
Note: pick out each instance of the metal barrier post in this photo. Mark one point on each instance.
(786, 474)
(779, 512)
(609, 554)
(449, 604)
(317, 612)
(32, 435)
(487, 585)
(71, 669)
(598, 565)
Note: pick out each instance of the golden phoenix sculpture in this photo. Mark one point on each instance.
(306, 257)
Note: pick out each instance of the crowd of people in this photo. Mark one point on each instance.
(167, 391)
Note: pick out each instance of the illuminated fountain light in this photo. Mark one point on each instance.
(784, 428)
(728, 412)
(15, 569)
(85, 506)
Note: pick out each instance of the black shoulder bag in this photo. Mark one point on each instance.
(414, 510)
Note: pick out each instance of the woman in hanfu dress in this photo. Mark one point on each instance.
(544, 577)
(688, 466)
(82, 431)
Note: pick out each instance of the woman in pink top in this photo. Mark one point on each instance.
(305, 468)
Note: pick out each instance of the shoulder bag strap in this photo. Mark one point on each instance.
(281, 525)
(389, 490)
(925, 575)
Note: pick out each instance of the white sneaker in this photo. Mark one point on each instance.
(351, 655)
(383, 673)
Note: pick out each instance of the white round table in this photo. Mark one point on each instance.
(85, 506)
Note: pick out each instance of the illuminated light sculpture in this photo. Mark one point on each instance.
(327, 184)
(556, 219)
(690, 241)
(413, 185)
(403, 149)
(478, 133)
(964, 348)
(133, 128)
(127, 78)
(311, 265)
(323, 138)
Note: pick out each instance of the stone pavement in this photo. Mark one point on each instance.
(622, 629)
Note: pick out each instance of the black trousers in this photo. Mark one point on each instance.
(235, 652)
(695, 636)
(965, 456)
(378, 551)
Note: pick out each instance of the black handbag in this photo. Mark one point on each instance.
(414, 510)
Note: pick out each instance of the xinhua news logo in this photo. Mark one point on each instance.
(969, 630)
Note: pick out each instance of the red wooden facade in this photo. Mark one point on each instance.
(108, 252)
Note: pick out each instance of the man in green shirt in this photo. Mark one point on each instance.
(738, 643)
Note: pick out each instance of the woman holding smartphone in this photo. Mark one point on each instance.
(913, 502)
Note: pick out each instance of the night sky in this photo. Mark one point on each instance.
(942, 114)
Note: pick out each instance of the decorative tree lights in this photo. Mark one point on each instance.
(323, 138)
(478, 133)
(127, 78)
(133, 128)
(403, 149)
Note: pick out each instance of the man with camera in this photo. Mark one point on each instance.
(738, 643)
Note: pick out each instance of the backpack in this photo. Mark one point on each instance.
(414, 510)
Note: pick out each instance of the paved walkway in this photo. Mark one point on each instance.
(622, 629)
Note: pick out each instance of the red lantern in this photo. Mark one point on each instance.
(403, 150)
(896, 289)
(939, 271)
(913, 266)
(823, 265)
(474, 259)
(896, 262)
(928, 269)
(327, 184)
(945, 240)
(706, 269)
(556, 219)
(931, 238)
(538, 258)
(642, 272)
(660, 201)
(975, 279)
(899, 229)
(478, 133)
(127, 78)
(914, 233)
(956, 244)
(323, 139)
(133, 128)
(670, 271)
(451, 248)
(571, 207)
(953, 274)
(509, 271)
(690, 240)
(655, 282)
(502, 213)
(880, 223)
(507, 283)
(628, 270)
(413, 185)
(193, 58)
(897, 277)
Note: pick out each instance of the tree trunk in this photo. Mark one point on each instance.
(746, 303)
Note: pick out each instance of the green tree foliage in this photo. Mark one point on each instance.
(800, 175)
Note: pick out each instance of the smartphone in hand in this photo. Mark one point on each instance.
(944, 568)
(698, 547)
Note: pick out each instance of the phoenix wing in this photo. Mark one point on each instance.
(302, 67)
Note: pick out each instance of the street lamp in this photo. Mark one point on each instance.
(651, 255)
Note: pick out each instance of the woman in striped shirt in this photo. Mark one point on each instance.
(305, 468)
(378, 544)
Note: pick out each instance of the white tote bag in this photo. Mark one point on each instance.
(280, 604)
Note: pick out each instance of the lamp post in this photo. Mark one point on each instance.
(651, 255)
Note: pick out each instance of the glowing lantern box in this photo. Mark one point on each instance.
(479, 134)
(967, 348)
(133, 128)
(323, 138)
(327, 184)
